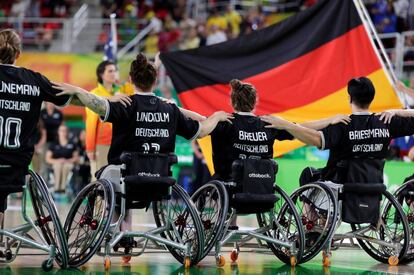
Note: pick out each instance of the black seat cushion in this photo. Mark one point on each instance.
(146, 177)
(254, 190)
(246, 203)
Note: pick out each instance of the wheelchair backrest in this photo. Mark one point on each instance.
(361, 170)
(362, 180)
(147, 165)
(254, 176)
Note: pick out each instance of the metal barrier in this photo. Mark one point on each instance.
(201, 8)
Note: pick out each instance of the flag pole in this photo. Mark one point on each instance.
(114, 36)
(381, 53)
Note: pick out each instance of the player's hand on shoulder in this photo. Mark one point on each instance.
(275, 122)
(167, 100)
(345, 119)
(387, 116)
(223, 116)
(65, 88)
(121, 98)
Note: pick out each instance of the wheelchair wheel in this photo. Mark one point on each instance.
(212, 203)
(179, 215)
(283, 223)
(317, 207)
(88, 221)
(392, 228)
(408, 208)
(47, 217)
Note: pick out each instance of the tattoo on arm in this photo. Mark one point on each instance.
(93, 102)
(75, 101)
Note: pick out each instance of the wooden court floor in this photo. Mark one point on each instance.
(251, 261)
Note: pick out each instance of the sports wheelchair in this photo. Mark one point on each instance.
(252, 191)
(45, 224)
(143, 179)
(377, 220)
(405, 196)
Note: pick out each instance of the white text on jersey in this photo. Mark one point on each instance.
(256, 136)
(22, 89)
(371, 133)
(153, 117)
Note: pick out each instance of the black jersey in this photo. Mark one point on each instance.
(246, 137)
(147, 125)
(365, 137)
(51, 123)
(22, 92)
(62, 151)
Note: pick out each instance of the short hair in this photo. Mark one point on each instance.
(362, 91)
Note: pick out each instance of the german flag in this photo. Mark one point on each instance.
(300, 67)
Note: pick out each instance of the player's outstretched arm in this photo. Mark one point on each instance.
(304, 134)
(208, 125)
(193, 115)
(95, 103)
(323, 123)
(386, 116)
(402, 88)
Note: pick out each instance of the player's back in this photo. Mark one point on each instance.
(148, 125)
(21, 94)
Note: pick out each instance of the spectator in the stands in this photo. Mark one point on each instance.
(386, 21)
(18, 8)
(234, 20)
(190, 40)
(217, 20)
(216, 35)
(62, 155)
(401, 11)
(39, 150)
(52, 118)
(33, 10)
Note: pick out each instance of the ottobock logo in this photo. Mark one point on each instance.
(260, 176)
(145, 174)
(364, 205)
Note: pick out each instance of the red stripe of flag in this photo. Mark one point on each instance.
(301, 81)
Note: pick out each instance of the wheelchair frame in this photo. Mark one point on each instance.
(410, 217)
(357, 233)
(241, 237)
(20, 234)
(113, 234)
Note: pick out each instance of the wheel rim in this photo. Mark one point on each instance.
(88, 221)
(212, 207)
(318, 222)
(181, 223)
(47, 217)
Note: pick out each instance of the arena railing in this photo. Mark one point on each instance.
(201, 8)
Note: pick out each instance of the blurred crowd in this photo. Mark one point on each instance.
(38, 33)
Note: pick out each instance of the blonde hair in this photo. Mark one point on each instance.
(10, 46)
